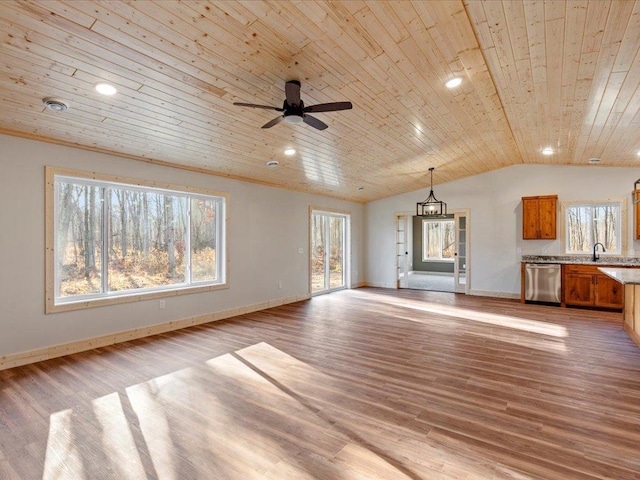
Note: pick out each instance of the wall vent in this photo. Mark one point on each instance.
(55, 104)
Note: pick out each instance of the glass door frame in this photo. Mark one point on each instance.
(466, 286)
(346, 250)
(457, 213)
(402, 250)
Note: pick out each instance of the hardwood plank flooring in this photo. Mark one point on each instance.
(360, 384)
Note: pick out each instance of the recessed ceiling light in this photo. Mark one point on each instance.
(453, 83)
(594, 160)
(547, 151)
(105, 89)
(360, 189)
(639, 153)
(272, 164)
(290, 151)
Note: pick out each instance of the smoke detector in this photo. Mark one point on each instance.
(55, 104)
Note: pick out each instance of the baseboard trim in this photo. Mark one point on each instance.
(489, 293)
(47, 353)
(478, 293)
(378, 285)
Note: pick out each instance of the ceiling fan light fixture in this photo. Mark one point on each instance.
(453, 82)
(294, 111)
(293, 119)
(431, 207)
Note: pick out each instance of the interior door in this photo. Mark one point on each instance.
(461, 265)
(329, 252)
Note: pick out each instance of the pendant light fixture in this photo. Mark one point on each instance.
(636, 192)
(431, 207)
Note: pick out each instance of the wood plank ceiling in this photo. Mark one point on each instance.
(535, 74)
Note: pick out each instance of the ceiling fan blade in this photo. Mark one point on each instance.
(314, 122)
(252, 105)
(328, 107)
(292, 90)
(273, 122)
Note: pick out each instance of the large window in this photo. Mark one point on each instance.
(438, 240)
(588, 223)
(113, 240)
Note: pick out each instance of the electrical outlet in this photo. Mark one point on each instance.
(162, 304)
(544, 250)
(280, 284)
(301, 250)
(518, 250)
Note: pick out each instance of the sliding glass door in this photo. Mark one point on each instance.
(329, 265)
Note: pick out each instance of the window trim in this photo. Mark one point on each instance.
(163, 292)
(623, 226)
(433, 220)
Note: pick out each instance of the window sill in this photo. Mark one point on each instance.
(51, 307)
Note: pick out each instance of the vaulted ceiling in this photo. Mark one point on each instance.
(559, 74)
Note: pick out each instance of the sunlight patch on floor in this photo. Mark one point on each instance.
(69, 454)
(118, 445)
(549, 344)
(255, 413)
(154, 425)
(62, 459)
(507, 321)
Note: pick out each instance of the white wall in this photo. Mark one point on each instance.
(267, 226)
(494, 201)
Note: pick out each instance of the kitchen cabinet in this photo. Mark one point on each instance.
(636, 215)
(539, 217)
(586, 286)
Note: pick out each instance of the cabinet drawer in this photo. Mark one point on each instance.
(582, 269)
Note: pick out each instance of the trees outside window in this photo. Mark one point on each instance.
(438, 240)
(113, 239)
(589, 223)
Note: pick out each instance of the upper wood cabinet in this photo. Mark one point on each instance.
(636, 216)
(539, 217)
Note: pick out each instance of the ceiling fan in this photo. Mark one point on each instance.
(294, 111)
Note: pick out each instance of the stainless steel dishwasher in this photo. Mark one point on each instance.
(542, 282)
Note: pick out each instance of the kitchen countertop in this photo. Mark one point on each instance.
(626, 276)
(582, 260)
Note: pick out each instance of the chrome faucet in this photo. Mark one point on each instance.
(595, 254)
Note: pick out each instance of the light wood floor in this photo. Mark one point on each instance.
(360, 384)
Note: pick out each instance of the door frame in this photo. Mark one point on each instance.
(346, 254)
(467, 214)
(404, 220)
(456, 275)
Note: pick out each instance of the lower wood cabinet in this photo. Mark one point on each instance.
(586, 286)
